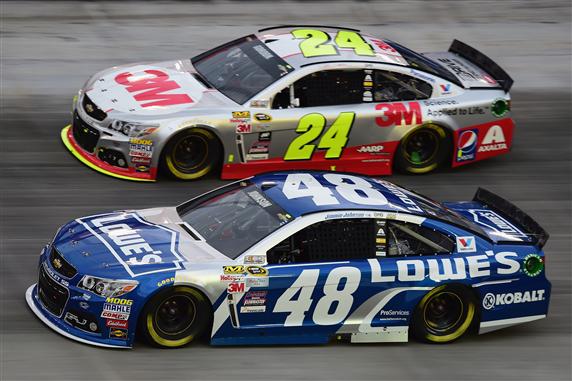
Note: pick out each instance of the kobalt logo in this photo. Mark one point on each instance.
(494, 140)
(370, 149)
(491, 300)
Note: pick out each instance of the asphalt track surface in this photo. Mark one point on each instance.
(49, 49)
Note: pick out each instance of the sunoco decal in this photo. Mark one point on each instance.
(140, 246)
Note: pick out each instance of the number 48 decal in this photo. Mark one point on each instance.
(333, 141)
(342, 300)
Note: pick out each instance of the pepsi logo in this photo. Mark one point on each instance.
(467, 141)
(467, 145)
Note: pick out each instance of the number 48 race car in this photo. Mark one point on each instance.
(288, 258)
(308, 97)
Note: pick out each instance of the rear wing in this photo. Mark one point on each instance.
(498, 204)
(483, 62)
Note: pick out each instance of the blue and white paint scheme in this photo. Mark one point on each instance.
(137, 253)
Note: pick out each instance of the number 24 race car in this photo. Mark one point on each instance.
(294, 258)
(308, 97)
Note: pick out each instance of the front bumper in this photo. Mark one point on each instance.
(74, 312)
(92, 161)
(57, 325)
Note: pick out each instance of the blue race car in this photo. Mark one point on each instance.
(294, 258)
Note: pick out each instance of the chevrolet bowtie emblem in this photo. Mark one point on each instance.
(89, 107)
(57, 263)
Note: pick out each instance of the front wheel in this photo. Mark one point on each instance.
(191, 154)
(423, 150)
(175, 317)
(444, 315)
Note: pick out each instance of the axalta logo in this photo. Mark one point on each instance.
(398, 114)
(491, 300)
(370, 149)
(151, 87)
(494, 140)
(140, 246)
(466, 145)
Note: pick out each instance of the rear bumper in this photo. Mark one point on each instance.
(488, 140)
(92, 161)
(62, 328)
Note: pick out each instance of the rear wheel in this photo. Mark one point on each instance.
(192, 154)
(423, 150)
(444, 315)
(175, 317)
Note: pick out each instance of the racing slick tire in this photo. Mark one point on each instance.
(175, 317)
(423, 150)
(191, 154)
(444, 314)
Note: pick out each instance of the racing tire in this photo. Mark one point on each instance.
(444, 314)
(191, 154)
(423, 150)
(175, 317)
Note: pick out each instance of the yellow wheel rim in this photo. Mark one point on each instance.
(174, 165)
(426, 168)
(461, 329)
(154, 330)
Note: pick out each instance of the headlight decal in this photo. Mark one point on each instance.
(107, 287)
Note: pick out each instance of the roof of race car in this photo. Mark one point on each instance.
(290, 48)
(304, 192)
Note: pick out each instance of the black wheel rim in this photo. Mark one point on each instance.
(421, 147)
(190, 153)
(443, 312)
(175, 315)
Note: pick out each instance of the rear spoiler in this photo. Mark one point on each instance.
(483, 62)
(513, 214)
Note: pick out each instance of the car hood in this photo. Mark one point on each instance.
(128, 244)
(152, 89)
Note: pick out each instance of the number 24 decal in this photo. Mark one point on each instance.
(311, 126)
(316, 43)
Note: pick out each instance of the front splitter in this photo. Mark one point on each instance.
(99, 167)
(31, 300)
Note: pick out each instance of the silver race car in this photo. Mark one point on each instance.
(294, 97)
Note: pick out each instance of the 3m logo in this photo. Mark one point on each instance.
(234, 288)
(398, 114)
(151, 88)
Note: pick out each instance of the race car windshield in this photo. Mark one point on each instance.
(420, 62)
(234, 218)
(241, 69)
